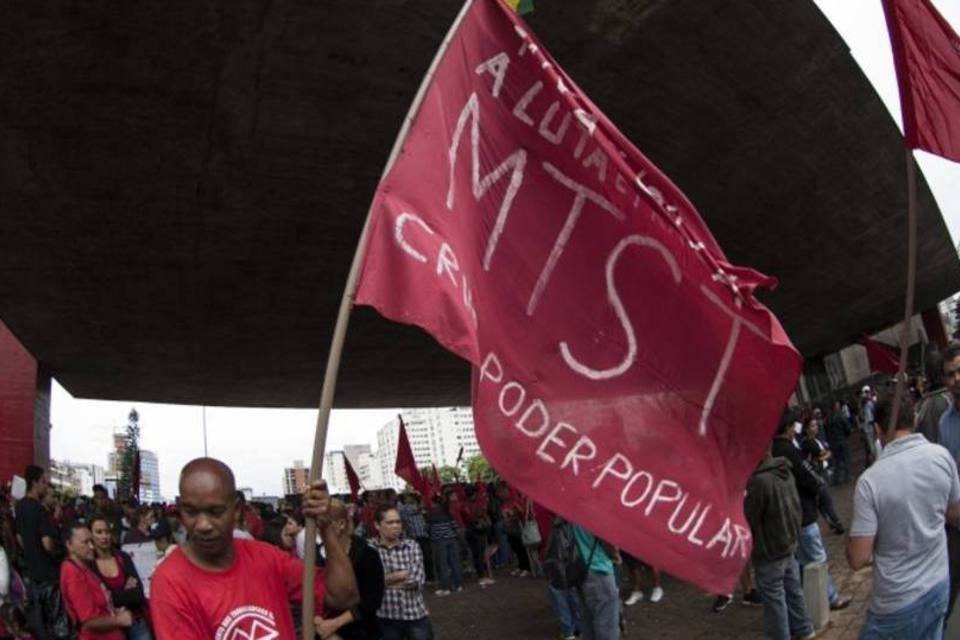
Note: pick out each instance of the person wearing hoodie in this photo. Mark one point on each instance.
(772, 508)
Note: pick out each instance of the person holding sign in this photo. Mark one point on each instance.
(217, 586)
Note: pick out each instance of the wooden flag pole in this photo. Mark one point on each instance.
(340, 333)
(900, 388)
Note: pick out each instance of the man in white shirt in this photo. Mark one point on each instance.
(899, 509)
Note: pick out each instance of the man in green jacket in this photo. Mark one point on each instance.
(772, 507)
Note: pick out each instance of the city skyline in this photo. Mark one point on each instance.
(436, 436)
(258, 444)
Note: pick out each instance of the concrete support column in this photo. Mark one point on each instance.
(24, 408)
(815, 593)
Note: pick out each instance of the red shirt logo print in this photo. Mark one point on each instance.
(248, 623)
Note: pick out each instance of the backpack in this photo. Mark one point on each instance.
(563, 565)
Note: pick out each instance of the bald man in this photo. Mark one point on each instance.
(215, 586)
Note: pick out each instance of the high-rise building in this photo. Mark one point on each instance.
(335, 472)
(73, 477)
(364, 462)
(296, 478)
(436, 436)
(149, 477)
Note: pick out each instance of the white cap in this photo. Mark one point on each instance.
(866, 389)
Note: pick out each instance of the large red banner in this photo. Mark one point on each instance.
(624, 375)
(926, 54)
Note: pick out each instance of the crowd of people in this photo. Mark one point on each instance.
(220, 567)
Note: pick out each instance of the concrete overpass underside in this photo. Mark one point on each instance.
(182, 185)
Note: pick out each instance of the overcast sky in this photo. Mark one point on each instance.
(259, 443)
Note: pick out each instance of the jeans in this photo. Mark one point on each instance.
(503, 545)
(406, 629)
(809, 550)
(841, 461)
(478, 549)
(139, 631)
(446, 557)
(784, 610)
(567, 609)
(427, 558)
(870, 443)
(825, 506)
(920, 620)
(953, 560)
(516, 544)
(600, 616)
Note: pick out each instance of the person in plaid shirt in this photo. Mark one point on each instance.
(403, 614)
(415, 528)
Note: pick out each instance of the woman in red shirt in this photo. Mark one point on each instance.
(117, 572)
(87, 600)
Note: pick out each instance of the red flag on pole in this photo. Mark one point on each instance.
(135, 484)
(437, 484)
(880, 357)
(427, 493)
(405, 466)
(624, 375)
(352, 477)
(926, 54)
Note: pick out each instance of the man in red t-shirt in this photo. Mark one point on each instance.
(215, 586)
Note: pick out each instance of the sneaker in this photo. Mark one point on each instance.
(842, 602)
(635, 597)
(486, 581)
(752, 598)
(458, 590)
(523, 574)
(441, 592)
(721, 603)
(515, 572)
(656, 595)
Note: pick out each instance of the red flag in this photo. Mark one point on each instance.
(481, 490)
(427, 493)
(135, 484)
(437, 483)
(926, 54)
(880, 357)
(461, 490)
(352, 477)
(624, 375)
(405, 466)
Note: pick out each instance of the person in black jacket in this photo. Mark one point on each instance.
(360, 622)
(119, 575)
(810, 547)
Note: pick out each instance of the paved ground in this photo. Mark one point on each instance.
(518, 608)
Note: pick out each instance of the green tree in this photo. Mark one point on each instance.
(447, 473)
(128, 460)
(477, 466)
